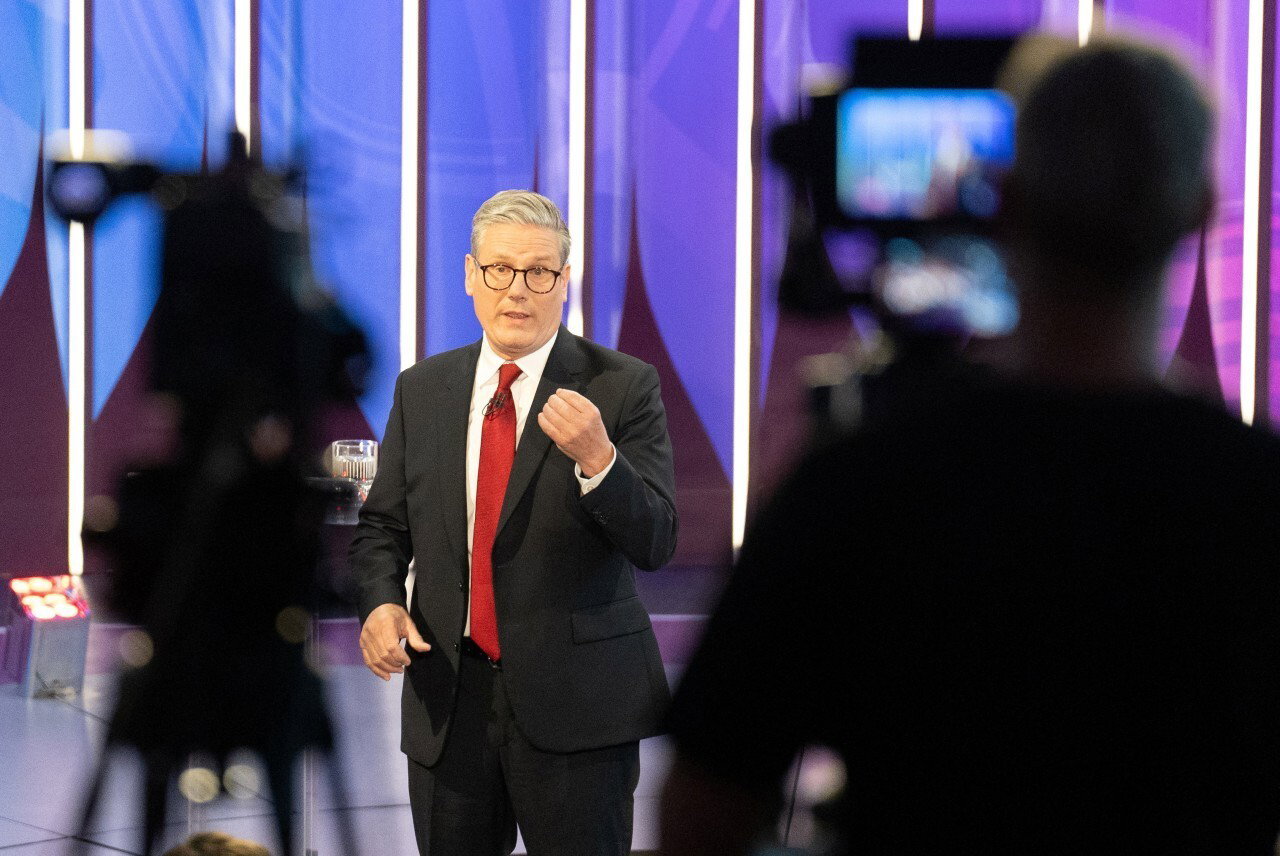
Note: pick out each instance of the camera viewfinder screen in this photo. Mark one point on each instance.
(922, 154)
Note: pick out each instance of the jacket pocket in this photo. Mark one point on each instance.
(607, 620)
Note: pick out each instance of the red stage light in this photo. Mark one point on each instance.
(44, 598)
(52, 636)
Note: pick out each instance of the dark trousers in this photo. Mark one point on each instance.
(489, 779)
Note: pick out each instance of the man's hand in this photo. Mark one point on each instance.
(380, 640)
(573, 424)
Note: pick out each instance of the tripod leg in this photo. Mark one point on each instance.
(157, 771)
(280, 780)
(91, 802)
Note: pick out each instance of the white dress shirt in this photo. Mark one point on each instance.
(523, 389)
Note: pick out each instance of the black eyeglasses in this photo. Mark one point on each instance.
(499, 277)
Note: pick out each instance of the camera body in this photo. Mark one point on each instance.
(900, 166)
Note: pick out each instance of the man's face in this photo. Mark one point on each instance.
(516, 320)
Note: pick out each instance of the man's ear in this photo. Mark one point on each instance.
(468, 271)
(565, 275)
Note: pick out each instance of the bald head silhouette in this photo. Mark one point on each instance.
(1112, 167)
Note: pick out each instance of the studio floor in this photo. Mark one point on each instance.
(49, 748)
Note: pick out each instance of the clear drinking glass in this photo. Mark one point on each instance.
(356, 460)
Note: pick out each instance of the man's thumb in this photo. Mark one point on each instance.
(411, 634)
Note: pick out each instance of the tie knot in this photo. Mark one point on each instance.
(507, 375)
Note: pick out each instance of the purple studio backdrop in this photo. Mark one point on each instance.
(661, 172)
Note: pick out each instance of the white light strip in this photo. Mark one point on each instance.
(76, 382)
(409, 237)
(77, 120)
(76, 76)
(1084, 22)
(577, 158)
(243, 69)
(743, 268)
(1252, 213)
(915, 19)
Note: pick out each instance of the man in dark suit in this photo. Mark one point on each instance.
(531, 668)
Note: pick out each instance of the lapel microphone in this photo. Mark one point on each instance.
(496, 404)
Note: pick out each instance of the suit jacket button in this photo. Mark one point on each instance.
(455, 646)
(461, 587)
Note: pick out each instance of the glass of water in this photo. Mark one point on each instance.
(356, 460)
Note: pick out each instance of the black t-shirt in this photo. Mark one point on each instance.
(1030, 622)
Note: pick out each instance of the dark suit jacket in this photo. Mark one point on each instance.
(579, 656)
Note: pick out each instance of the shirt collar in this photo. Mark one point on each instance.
(531, 365)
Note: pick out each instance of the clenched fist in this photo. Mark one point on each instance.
(573, 424)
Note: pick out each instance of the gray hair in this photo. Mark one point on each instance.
(524, 207)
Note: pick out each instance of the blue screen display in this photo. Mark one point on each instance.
(921, 154)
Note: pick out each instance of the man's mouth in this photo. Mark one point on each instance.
(516, 316)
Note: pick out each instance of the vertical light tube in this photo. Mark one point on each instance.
(915, 19)
(76, 390)
(409, 183)
(1252, 206)
(577, 157)
(77, 120)
(243, 67)
(76, 76)
(744, 268)
(1084, 21)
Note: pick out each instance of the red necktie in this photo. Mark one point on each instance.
(497, 451)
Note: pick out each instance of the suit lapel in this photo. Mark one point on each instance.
(452, 437)
(563, 367)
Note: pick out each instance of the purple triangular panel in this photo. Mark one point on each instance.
(341, 420)
(1194, 366)
(703, 495)
(781, 429)
(122, 435)
(125, 434)
(33, 420)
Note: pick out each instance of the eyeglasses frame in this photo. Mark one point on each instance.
(484, 276)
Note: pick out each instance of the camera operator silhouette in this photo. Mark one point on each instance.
(1041, 615)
